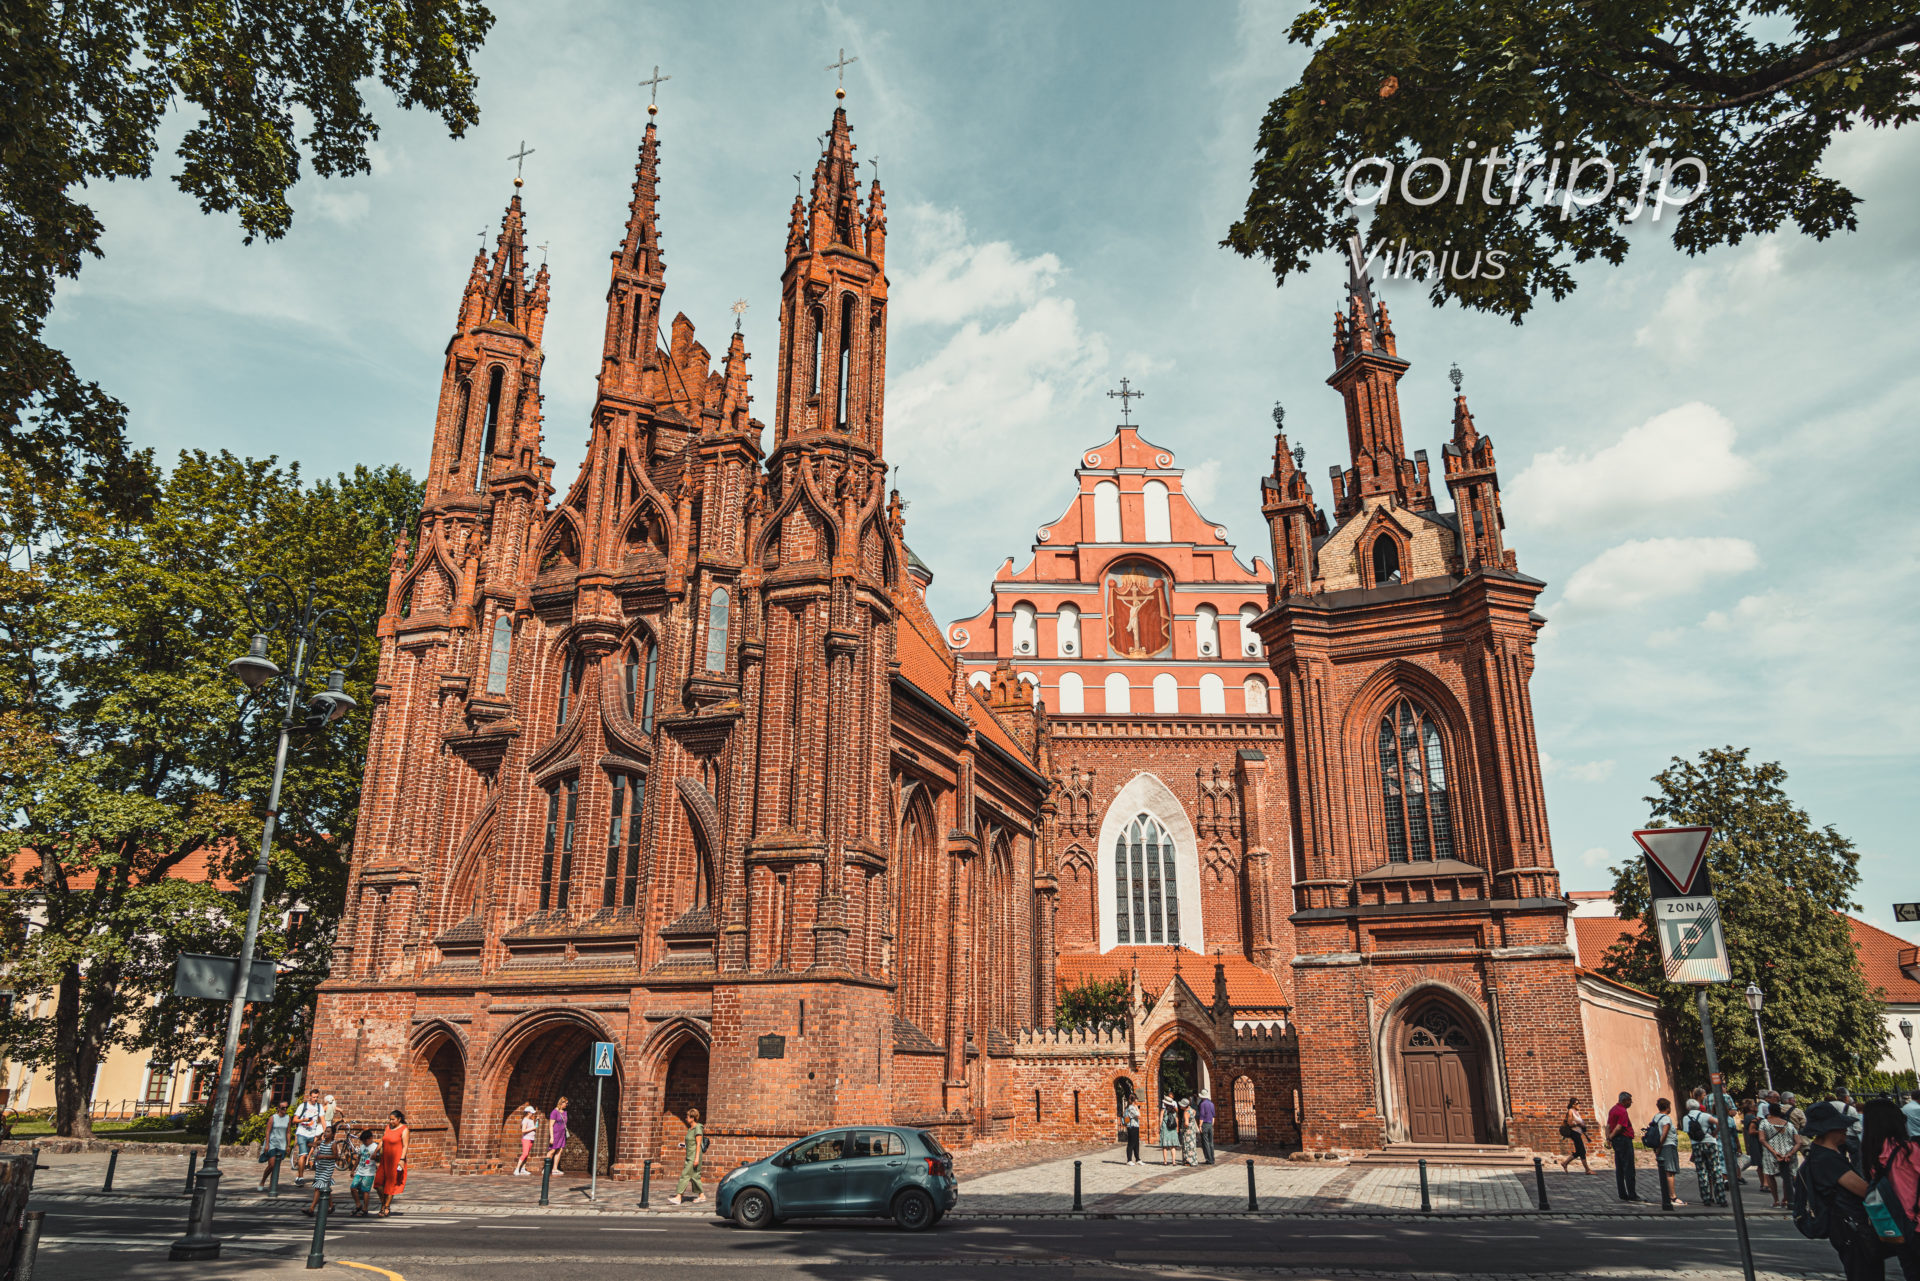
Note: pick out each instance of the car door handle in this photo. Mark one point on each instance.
(837, 1166)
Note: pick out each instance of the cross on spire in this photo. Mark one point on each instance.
(1126, 394)
(840, 69)
(653, 90)
(875, 162)
(542, 247)
(483, 240)
(739, 311)
(519, 159)
(1455, 376)
(1279, 416)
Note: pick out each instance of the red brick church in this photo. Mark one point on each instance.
(677, 759)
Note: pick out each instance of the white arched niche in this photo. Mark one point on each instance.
(1067, 631)
(1213, 695)
(1159, 520)
(1166, 694)
(1119, 694)
(1106, 512)
(1025, 635)
(1073, 693)
(1146, 794)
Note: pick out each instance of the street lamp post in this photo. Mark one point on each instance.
(1755, 999)
(1906, 1030)
(304, 625)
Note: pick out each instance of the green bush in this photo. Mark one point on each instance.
(150, 1123)
(1094, 1003)
(254, 1128)
(193, 1120)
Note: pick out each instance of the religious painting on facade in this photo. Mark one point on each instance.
(1139, 611)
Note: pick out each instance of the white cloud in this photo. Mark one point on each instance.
(1595, 858)
(343, 208)
(1663, 467)
(1703, 295)
(953, 279)
(1202, 482)
(1649, 569)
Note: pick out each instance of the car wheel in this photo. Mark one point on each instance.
(913, 1210)
(753, 1209)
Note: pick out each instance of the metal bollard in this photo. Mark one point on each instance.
(1426, 1202)
(1253, 1200)
(317, 1253)
(28, 1245)
(546, 1177)
(1076, 1187)
(193, 1161)
(1540, 1181)
(273, 1174)
(646, 1181)
(113, 1159)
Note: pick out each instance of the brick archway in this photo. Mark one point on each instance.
(1442, 1076)
(436, 1092)
(547, 1057)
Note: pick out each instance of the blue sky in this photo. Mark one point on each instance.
(1703, 457)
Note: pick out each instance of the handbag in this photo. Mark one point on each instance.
(1883, 1213)
(1567, 1132)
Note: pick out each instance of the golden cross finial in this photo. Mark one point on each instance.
(840, 68)
(519, 159)
(653, 90)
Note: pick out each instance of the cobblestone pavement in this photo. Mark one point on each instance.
(1042, 1186)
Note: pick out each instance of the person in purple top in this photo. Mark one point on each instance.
(1206, 1125)
(557, 1131)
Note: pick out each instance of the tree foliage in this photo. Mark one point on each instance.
(1755, 91)
(269, 85)
(1783, 887)
(134, 779)
(1093, 1003)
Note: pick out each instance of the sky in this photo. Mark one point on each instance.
(1701, 456)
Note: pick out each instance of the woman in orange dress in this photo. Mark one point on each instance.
(392, 1176)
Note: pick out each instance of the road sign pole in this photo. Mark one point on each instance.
(1720, 1109)
(593, 1175)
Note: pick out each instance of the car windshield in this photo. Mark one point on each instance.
(933, 1144)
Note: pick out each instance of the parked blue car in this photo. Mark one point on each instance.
(857, 1170)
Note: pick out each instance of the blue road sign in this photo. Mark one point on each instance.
(603, 1058)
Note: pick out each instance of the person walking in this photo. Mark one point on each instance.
(1779, 1140)
(529, 1131)
(329, 1113)
(273, 1147)
(1189, 1133)
(1620, 1139)
(1750, 1130)
(391, 1179)
(1831, 1180)
(1206, 1124)
(1573, 1128)
(1669, 1154)
(366, 1164)
(1708, 1170)
(308, 1123)
(1911, 1110)
(326, 1158)
(1169, 1129)
(1843, 1099)
(695, 1142)
(557, 1132)
(1892, 1154)
(1130, 1115)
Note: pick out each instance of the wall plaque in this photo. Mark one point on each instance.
(773, 1046)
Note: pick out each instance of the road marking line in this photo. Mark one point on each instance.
(626, 1229)
(368, 1267)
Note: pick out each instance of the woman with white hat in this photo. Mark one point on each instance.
(529, 1128)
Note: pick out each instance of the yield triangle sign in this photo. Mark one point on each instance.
(1679, 852)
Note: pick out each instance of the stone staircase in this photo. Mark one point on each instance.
(1485, 1156)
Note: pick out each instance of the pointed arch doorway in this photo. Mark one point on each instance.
(1441, 1077)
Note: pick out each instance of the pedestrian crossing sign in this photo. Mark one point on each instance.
(1692, 948)
(603, 1058)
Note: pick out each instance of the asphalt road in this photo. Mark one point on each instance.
(125, 1242)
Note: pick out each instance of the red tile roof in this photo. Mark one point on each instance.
(192, 868)
(1247, 983)
(1879, 958)
(928, 667)
(1594, 935)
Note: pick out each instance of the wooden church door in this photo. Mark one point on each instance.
(1441, 1073)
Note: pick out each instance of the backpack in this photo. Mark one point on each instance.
(1696, 1127)
(1812, 1214)
(1651, 1136)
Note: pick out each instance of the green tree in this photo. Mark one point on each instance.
(1756, 92)
(268, 85)
(1093, 1003)
(1783, 887)
(128, 763)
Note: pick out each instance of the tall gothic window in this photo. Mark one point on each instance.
(570, 673)
(562, 806)
(846, 360)
(1413, 786)
(623, 841)
(501, 652)
(819, 318)
(489, 434)
(638, 678)
(717, 631)
(1146, 897)
(460, 424)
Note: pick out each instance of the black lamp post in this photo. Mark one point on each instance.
(1755, 999)
(275, 608)
(1906, 1030)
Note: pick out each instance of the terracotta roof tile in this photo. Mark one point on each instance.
(1247, 983)
(928, 666)
(1880, 958)
(1594, 935)
(194, 867)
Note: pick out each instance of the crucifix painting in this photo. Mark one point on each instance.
(1139, 611)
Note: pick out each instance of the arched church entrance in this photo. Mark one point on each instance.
(685, 1087)
(1442, 1081)
(552, 1063)
(435, 1089)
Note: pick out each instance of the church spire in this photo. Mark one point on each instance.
(639, 279)
(1292, 518)
(1367, 372)
(1475, 484)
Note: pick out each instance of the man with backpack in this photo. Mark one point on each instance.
(1620, 1139)
(1704, 1131)
(1663, 1136)
(1829, 1196)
